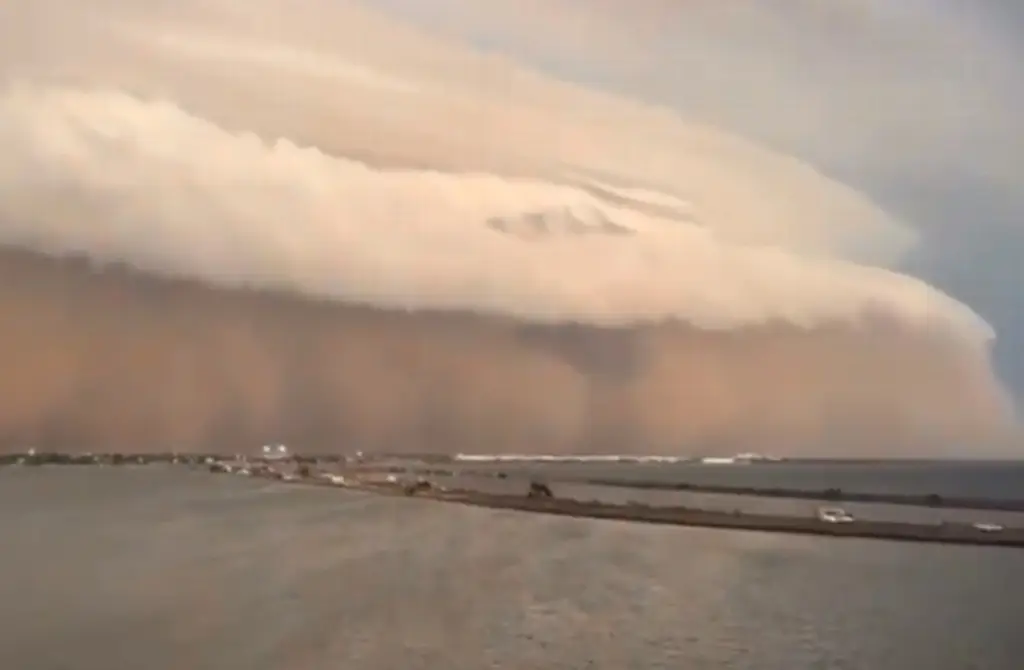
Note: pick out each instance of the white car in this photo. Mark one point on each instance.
(988, 527)
(834, 515)
(275, 451)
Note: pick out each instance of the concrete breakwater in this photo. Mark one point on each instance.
(829, 495)
(536, 497)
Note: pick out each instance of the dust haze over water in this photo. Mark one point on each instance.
(310, 222)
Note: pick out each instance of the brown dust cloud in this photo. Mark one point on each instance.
(220, 229)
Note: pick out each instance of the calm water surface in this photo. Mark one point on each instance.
(153, 568)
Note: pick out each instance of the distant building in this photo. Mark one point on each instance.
(738, 459)
(750, 457)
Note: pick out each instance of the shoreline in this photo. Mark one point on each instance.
(952, 534)
(422, 488)
(829, 495)
(933, 500)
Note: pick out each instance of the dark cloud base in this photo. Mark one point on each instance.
(97, 358)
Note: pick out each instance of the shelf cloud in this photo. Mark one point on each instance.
(314, 223)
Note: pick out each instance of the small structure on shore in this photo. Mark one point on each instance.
(539, 490)
(416, 487)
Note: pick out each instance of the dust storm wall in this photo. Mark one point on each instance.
(223, 227)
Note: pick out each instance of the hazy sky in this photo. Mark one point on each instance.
(916, 102)
(743, 188)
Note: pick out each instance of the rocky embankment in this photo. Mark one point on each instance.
(830, 495)
(537, 496)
